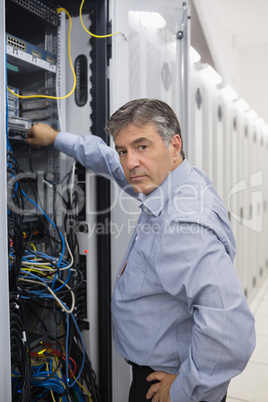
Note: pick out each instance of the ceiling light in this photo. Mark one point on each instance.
(260, 122)
(252, 114)
(265, 129)
(242, 105)
(211, 75)
(194, 55)
(229, 92)
(152, 19)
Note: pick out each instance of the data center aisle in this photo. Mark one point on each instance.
(252, 384)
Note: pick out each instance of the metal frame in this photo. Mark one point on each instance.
(5, 368)
(100, 108)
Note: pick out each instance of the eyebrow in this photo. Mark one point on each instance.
(137, 141)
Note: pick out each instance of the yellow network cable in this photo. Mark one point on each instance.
(90, 33)
(69, 55)
(81, 386)
(32, 269)
(51, 392)
(71, 65)
(33, 246)
(38, 268)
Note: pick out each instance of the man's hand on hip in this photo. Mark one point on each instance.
(160, 392)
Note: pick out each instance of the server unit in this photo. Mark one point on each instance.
(149, 59)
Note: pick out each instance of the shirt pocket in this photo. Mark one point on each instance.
(132, 279)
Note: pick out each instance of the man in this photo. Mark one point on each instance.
(180, 317)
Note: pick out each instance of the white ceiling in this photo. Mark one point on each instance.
(247, 20)
(232, 36)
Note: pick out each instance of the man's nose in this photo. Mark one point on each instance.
(132, 160)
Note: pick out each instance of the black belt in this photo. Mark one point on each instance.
(137, 366)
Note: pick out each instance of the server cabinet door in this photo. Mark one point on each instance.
(149, 59)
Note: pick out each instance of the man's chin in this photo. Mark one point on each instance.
(143, 189)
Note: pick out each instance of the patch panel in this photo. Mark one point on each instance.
(32, 50)
(16, 43)
(40, 10)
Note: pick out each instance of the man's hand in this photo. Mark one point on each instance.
(41, 135)
(160, 391)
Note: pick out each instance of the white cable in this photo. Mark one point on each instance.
(53, 294)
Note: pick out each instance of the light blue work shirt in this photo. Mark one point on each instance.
(177, 304)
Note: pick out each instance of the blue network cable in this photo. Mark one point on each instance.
(53, 224)
(68, 382)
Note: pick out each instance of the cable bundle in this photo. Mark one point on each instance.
(20, 359)
(15, 219)
(44, 287)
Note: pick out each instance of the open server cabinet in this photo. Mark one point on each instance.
(67, 229)
(52, 71)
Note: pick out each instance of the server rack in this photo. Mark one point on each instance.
(36, 49)
(5, 377)
(231, 146)
(149, 59)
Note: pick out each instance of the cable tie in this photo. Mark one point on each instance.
(124, 36)
(47, 183)
(20, 251)
(24, 337)
(64, 393)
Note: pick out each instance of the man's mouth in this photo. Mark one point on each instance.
(137, 177)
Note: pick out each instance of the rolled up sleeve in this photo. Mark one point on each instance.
(93, 153)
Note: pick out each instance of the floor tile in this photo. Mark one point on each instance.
(261, 325)
(251, 385)
(260, 354)
(262, 308)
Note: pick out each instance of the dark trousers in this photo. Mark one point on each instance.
(139, 386)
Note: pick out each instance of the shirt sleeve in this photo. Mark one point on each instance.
(193, 265)
(93, 153)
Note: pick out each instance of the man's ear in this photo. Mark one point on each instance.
(176, 145)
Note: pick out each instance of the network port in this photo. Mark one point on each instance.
(16, 43)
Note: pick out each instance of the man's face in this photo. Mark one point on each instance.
(144, 156)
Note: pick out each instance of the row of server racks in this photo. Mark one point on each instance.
(230, 143)
(66, 228)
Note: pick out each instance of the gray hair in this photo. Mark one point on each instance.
(144, 111)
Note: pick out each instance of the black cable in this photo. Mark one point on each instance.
(50, 261)
(41, 307)
(19, 346)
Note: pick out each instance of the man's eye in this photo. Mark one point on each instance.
(122, 152)
(142, 147)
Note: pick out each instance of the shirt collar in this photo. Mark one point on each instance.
(155, 201)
